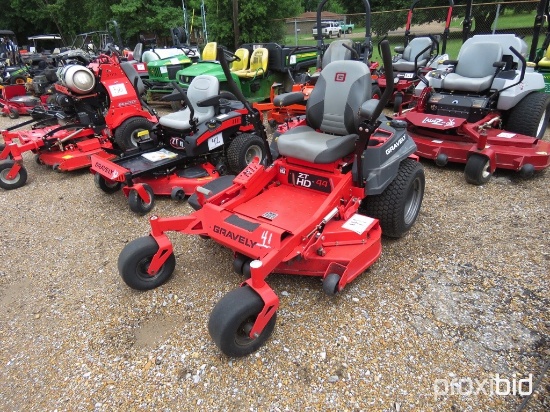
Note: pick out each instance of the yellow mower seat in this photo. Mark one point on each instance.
(545, 61)
(210, 51)
(258, 64)
(237, 65)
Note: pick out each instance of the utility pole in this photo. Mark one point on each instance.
(236, 23)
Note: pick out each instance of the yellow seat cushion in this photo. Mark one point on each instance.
(242, 64)
(258, 64)
(210, 51)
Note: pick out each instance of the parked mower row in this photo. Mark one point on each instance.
(353, 174)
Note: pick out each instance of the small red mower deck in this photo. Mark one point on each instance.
(505, 150)
(257, 219)
(75, 154)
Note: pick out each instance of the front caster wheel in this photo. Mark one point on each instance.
(330, 284)
(108, 186)
(397, 102)
(134, 260)
(232, 319)
(477, 170)
(13, 114)
(137, 204)
(16, 181)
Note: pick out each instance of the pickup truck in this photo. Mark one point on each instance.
(346, 27)
(328, 29)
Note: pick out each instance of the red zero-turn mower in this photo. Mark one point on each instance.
(348, 175)
(419, 53)
(100, 104)
(487, 111)
(193, 146)
(14, 101)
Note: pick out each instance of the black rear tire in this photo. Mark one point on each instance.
(530, 116)
(18, 181)
(477, 170)
(243, 149)
(18, 80)
(397, 207)
(232, 319)
(134, 260)
(127, 134)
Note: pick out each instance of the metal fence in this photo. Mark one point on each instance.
(503, 17)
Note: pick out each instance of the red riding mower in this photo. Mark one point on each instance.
(419, 53)
(347, 175)
(342, 49)
(487, 111)
(14, 101)
(191, 147)
(100, 105)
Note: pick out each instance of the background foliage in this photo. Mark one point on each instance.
(258, 20)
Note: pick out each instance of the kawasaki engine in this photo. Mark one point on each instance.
(472, 108)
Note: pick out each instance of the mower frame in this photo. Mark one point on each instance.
(248, 213)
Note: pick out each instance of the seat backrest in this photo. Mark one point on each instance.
(336, 51)
(133, 76)
(476, 60)
(138, 52)
(200, 88)
(333, 106)
(259, 60)
(210, 51)
(415, 46)
(242, 54)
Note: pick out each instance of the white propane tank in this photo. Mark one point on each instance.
(77, 78)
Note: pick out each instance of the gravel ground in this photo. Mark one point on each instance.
(458, 302)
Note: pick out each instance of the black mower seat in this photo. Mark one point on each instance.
(201, 88)
(475, 70)
(333, 109)
(407, 61)
(133, 76)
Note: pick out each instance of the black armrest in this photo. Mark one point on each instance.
(172, 97)
(453, 62)
(210, 101)
(286, 99)
(368, 108)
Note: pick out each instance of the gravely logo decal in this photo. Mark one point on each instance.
(110, 172)
(436, 121)
(235, 236)
(395, 145)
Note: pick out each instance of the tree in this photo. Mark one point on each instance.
(258, 21)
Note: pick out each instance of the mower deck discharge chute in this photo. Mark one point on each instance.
(343, 178)
(485, 109)
(213, 135)
(101, 110)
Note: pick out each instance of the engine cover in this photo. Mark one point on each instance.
(472, 108)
